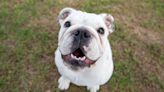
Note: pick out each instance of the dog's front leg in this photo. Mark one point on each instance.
(63, 83)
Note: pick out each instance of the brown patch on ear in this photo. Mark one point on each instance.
(63, 16)
(109, 21)
(107, 24)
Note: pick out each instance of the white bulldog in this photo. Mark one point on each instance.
(84, 55)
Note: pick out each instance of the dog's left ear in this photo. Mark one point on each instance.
(64, 13)
(109, 21)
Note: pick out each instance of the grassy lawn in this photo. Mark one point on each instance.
(28, 39)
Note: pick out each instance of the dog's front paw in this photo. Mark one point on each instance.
(93, 88)
(63, 83)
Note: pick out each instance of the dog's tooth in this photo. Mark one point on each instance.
(72, 56)
(84, 57)
(75, 57)
(80, 58)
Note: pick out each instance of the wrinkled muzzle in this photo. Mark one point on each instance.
(78, 58)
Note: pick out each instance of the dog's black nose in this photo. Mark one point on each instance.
(82, 34)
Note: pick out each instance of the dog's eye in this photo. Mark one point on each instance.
(67, 24)
(100, 30)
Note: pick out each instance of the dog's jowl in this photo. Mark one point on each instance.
(84, 55)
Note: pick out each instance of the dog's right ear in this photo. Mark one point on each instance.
(109, 21)
(64, 13)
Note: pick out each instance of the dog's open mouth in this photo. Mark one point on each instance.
(78, 55)
(77, 58)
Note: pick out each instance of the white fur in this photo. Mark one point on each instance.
(100, 72)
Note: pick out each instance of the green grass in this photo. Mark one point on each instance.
(29, 33)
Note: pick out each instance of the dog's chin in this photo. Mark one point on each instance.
(77, 61)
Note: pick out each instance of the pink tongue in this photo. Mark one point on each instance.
(78, 53)
(75, 53)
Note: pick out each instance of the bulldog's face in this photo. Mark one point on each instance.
(83, 37)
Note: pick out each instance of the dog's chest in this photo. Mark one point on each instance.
(84, 78)
(90, 77)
